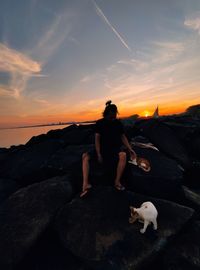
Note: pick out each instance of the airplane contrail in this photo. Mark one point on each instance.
(102, 16)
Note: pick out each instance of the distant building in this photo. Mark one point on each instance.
(156, 113)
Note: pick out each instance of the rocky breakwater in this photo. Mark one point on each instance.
(40, 209)
(97, 229)
(26, 214)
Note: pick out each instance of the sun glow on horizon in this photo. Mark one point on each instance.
(146, 113)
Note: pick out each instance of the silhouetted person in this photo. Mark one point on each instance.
(109, 139)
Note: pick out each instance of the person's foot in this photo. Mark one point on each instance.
(119, 187)
(85, 191)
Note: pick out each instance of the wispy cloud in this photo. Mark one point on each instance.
(86, 79)
(5, 91)
(167, 51)
(193, 21)
(15, 61)
(54, 36)
(42, 101)
(20, 67)
(134, 63)
(104, 18)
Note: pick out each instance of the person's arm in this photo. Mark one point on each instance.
(97, 146)
(128, 146)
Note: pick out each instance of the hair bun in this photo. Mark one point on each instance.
(108, 102)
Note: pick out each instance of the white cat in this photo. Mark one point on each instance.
(147, 213)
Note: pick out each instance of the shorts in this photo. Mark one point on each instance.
(102, 173)
(107, 159)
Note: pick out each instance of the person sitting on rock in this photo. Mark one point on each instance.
(109, 139)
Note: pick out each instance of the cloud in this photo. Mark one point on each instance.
(42, 101)
(173, 46)
(54, 36)
(167, 51)
(86, 79)
(134, 63)
(165, 75)
(15, 61)
(20, 67)
(5, 91)
(193, 22)
(104, 18)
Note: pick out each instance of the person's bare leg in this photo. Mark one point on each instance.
(85, 169)
(120, 168)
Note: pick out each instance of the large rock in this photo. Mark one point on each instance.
(97, 229)
(7, 187)
(193, 143)
(188, 133)
(185, 252)
(69, 160)
(163, 137)
(192, 197)
(46, 155)
(25, 215)
(52, 134)
(70, 135)
(80, 135)
(49, 254)
(191, 176)
(26, 165)
(164, 180)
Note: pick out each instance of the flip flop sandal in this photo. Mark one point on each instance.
(85, 192)
(120, 187)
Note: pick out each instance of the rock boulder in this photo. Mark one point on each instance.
(97, 229)
(25, 215)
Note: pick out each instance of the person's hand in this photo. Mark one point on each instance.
(133, 155)
(100, 159)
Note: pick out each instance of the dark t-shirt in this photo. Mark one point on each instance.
(110, 136)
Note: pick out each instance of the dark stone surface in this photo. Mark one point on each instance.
(70, 135)
(52, 134)
(193, 198)
(164, 180)
(77, 136)
(184, 255)
(26, 165)
(96, 229)
(193, 143)
(189, 135)
(163, 137)
(49, 254)
(191, 175)
(69, 160)
(25, 215)
(7, 187)
(47, 155)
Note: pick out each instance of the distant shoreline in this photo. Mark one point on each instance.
(48, 125)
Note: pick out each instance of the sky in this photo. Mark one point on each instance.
(62, 60)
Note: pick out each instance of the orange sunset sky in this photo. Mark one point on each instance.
(62, 60)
